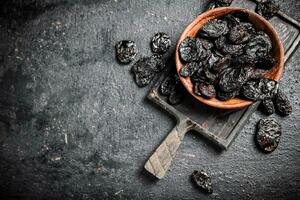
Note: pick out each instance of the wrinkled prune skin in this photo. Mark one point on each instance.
(207, 91)
(202, 180)
(239, 34)
(176, 96)
(172, 88)
(191, 49)
(160, 43)
(214, 28)
(219, 3)
(145, 69)
(282, 103)
(267, 9)
(220, 42)
(189, 69)
(244, 61)
(167, 86)
(206, 43)
(226, 48)
(126, 51)
(212, 61)
(223, 96)
(265, 62)
(232, 79)
(268, 134)
(259, 45)
(222, 64)
(268, 106)
(206, 76)
(260, 89)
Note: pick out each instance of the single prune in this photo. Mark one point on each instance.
(189, 69)
(232, 79)
(191, 49)
(267, 9)
(207, 91)
(206, 43)
(243, 61)
(160, 43)
(259, 45)
(260, 89)
(282, 103)
(156, 62)
(226, 95)
(196, 77)
(268, 134)
(222, 64)
(214, 28)
(206, 76)
(126, 51)
(239, 34)
(202, 180)
(226, 48)
(212, 61)
(265, 62)
(167, 86)
(268, 106)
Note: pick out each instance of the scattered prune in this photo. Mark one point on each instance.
(268, 134)
(219, 3)
(145, 69)
(172, 89)
(268, 106)
(239, 34)
(207, 91)
(267, 9)
(282, 103)
(260, 89)
(189, 69)
(160, 43)
(126, 51)
(202, 180)
(214, 28)
(191, 49)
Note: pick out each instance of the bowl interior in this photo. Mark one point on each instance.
(261, 24)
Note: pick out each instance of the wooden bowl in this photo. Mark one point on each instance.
(261, 24)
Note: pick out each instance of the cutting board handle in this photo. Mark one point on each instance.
(160, 161)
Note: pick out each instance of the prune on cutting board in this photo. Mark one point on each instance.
(126, 51)
(268, 106)
(145, 69)
(239, 34)
(219, 3)
(191, 49)
(202, 180)
(189, 69)
(268, 134)
(207, 91)
(282, 103)
(160, 43)
(267, 9)
(259, 45)
(226, 95)
(176, 96)
(260, 89)
(214, 28)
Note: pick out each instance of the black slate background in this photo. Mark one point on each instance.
(73, 125)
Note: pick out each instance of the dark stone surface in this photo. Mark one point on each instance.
(75, 126)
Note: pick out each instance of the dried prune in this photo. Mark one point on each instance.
(189, 69)
(233, 49)
(202, 180)
(145, 69)
(222, 64)
(206, 76)
(214, 28)
(196, 89)
(207, 91)
(220, 42)
(282, 103)
(212, 60)
(226, 95)
(167, 86)
(267, 9)
(259, 45)
(260, 89)
(268, 134)
(191, 49)
(126, 51)
(232, 79)
(243, 61)
(219, 3)
(160, 43)
(268, 106)
(176, 97)
(206, 44)
(239, 34)
(265, 62)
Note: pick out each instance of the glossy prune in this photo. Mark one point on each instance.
(202, 180)
(160, 43)
(126, 51)
(191, 49)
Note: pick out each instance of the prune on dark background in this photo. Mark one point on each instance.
(214, 28)
(176, 96)
(282, 103)
(160, 43)
(167, 86)
(191, 49)
(156, 62)
(268, 134)
(189, 69)
(126, 51)
(267, 106)
(202, 180)
(267, 9)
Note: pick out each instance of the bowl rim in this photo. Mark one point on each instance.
(206, 14)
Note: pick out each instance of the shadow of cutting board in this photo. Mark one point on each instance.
(219, 126)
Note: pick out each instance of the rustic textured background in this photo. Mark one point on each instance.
(73, 125)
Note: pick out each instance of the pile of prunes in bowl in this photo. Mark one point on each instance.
(228, 59)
